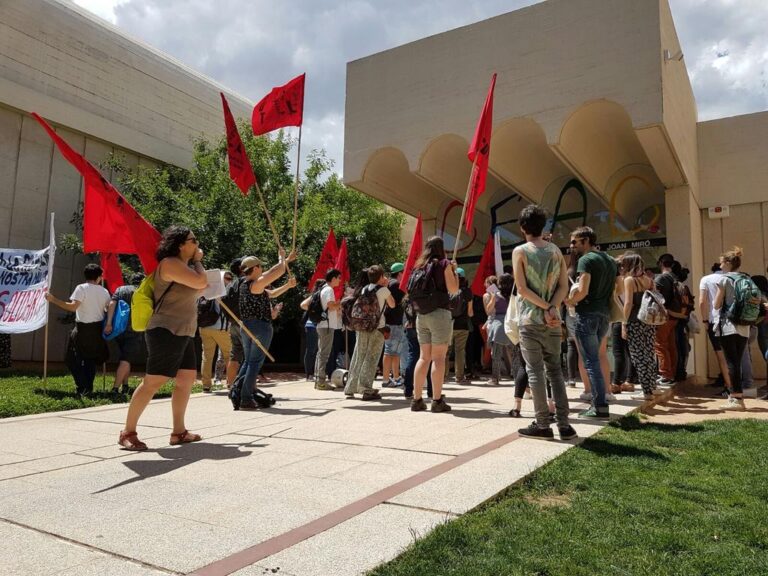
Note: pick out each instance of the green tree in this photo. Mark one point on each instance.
(230, 225)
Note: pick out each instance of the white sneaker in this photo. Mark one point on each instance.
(734, 405)
(610, 397)
(528, 396)
(586, 396)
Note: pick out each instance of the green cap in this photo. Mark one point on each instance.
(460, 272)
(396, 268)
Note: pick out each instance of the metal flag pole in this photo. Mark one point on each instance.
(296, 192)
(464, 207)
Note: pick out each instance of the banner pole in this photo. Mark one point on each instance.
(464, 208)
(250, 334)
(52, 253)
(271, 225)
(296, 191)
(45, 355)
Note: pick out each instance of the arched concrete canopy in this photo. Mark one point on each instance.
(521, 157)
(388, 178)
(598, 141)
(444, 163)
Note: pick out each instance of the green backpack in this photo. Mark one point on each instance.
(747, 306)
(143, 303)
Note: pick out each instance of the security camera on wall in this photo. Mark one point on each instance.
(677, 56)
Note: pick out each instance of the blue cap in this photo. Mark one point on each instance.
(460, 272)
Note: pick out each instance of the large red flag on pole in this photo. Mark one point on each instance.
(283, 106)
(417, 246)
(487, 267)
(327, 259)
(478, 154)
(239, 166)
(110, 223)
(113, 274)
(342, 265)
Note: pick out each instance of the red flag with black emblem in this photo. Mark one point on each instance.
(110, 223)
(113, 274)
(342, 265)
(283, 106)
(327, 259)
(487, 267)
(417, 245)
(239, 165)
(478, 154)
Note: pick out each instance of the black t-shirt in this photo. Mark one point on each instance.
(665, 283)
(462, 322)
(394, 316)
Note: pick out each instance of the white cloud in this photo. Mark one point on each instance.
(252, 45)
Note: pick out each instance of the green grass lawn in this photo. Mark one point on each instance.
(23, 393)
(636, 499)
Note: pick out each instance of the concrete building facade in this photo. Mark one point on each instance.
(104, 93)
(594, 117)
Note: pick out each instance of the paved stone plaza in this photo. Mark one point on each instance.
(317, 485)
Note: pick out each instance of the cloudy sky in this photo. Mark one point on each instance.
(252, 45)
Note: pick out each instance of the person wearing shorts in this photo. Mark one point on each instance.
(130, 344)
(434, 328)
(179, 278)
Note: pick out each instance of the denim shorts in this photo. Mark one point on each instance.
(435, 328)
(393, 346)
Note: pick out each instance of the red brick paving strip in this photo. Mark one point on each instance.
(244, 558)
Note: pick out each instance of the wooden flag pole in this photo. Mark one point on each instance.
(296, 192)
(250, 334)
(464, 208)
(272, 226)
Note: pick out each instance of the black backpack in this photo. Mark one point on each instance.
(423, 292)
(315, 312)
(207, 313)
(263, 399)
(458, 305)
(232, 298)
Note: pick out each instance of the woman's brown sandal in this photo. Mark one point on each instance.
(184, 438)
(130, 441)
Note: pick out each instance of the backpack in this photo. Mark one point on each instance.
(232, 299)
(207, 313)
(315, 311)
(263, 399)
(652, 310)
(423, 292)
(120, 320)
(143, 303)
(365, 313)
(747, 306)
(458, 305)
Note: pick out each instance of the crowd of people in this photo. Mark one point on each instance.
(542, 324)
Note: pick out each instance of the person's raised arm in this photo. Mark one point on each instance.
(489, 303)
(277, 292)
(274, 273)
(451, 280)
(174, 270)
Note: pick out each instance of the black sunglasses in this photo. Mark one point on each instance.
(193, 239)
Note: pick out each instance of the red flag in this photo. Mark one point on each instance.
(327, 259)
(417, 246)
(239, 166)
(480, 149)
(487, 267)
(110, 223)
(284, 106)
(342, 265)
(113, 274)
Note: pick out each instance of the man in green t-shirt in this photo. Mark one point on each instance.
(591, 296)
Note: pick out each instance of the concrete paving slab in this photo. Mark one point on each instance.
(382, 532)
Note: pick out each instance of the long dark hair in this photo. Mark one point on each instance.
(434, 248)
(361, 281)
(505, 285)
(170, 244)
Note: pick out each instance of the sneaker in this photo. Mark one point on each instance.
(571, 383)
(528, 395)
(399, 383)
(593, 414)
(440, 405)
(388, 383)
(418, 405)
(567, 433)
(371, 395)
(323, 386)
(733, 405)
(586, 396)
(664, 382)
(610, 397)
(533, 431)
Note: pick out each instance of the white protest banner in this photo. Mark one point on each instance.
(25, 277)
